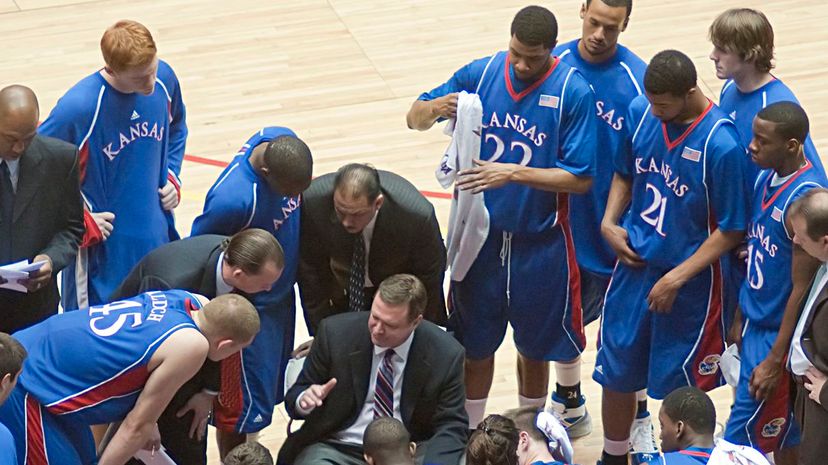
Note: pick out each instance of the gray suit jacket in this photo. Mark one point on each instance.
(47, 219)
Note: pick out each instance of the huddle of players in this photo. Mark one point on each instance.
(676, 202)
(672, 202)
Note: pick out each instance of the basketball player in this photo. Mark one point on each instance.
(12, 355)
(682, 178)
(743, 54)
(261, 188)
(121, 361)
(688, 420)
(128, 121)
(616, 76)
(778, 274)
(538, 146)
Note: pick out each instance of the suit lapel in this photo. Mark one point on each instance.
(361, 359)
(208, 281)
(29, 179)
(417, 368)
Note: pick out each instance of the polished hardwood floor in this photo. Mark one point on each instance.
(342, 74)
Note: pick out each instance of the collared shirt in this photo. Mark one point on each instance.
(367, 235)
(353, 434)
(221, 285)
(14, 172)
(799, 361)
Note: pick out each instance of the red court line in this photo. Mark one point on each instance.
(223, 164)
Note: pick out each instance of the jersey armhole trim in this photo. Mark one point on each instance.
(632, 78)
(483, 76)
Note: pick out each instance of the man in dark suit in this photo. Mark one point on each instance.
(211, 265)
(41, 214)
(360, 226)
(808, 357)
(386, 362)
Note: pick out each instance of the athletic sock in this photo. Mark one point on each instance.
(476, 409)
(538, 403)
(642, 411)
(615, 452)
(570, 395)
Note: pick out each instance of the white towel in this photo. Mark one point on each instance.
(557, 439)
(468, 218)
(726, 453)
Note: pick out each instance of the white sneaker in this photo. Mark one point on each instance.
(643, 446)
(576, 421)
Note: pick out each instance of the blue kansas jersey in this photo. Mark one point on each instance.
(767, 285)
(548, 123)
(616, 82)
(742, 107)
(690, 456)
(686, 182)
(240, 199)
(129, 145)
(90, 366)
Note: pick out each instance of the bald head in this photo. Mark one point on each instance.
(19, 114)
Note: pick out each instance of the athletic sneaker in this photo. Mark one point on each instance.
(576, 421)
(643, 446)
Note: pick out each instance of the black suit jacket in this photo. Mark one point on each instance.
(188, 264)
(406, 239)
(47, 219)
(815, 336)
(433, 394)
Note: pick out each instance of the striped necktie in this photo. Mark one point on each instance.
(384, 390)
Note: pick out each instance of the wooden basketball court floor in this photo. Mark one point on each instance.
(342, 74)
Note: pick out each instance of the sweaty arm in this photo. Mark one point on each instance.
(180, 357)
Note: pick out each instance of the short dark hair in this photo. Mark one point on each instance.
(813, 206)
(12, 355)
(404, 289)
(493, 442)
(249, 453)
(670, 72)
(791, 120)
(386, 440)
(526, 419)
(693, 407)
(616, 4)
(251, 249)
(360, 179)
(535, 25)
(290, 159)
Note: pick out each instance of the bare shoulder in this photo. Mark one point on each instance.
(184, 347)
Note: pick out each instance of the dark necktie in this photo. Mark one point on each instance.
(6, 212)
(384, 390)
(356, 280)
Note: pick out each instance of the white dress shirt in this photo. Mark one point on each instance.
(799, 362)
(221, 285)
(14, 171)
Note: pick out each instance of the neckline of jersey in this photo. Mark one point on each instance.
(517, 97)
(673, 144)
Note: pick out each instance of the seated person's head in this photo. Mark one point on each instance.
(493, 442)
(542, 437)
(688, 418)
(397, 309)
(249, 453)
(229, 322)
(387, 442)
(12, 355)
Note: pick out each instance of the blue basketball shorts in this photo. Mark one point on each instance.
(660, 351)
(530, 281)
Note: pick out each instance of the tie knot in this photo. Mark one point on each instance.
(389, 354)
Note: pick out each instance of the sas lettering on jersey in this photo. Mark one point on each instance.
(291, 205)
(159, 306)
(609, 116)
(518, 124)
(757, 231)
(136, 131)
(673, 183)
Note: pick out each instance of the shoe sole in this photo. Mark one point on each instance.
(580, 429)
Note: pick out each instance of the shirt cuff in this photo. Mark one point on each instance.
(299, 409)
(210, 392)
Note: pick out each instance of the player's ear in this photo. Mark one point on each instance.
(680, 430)
(412, 447)
(626, 23)
(583, 10)
(792, 145)
(368, 459)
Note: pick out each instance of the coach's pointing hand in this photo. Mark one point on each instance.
(315, 395)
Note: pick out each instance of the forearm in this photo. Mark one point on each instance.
(126, 442)
(711, 249)
(619, 199)
(803, 267)
(421, 116)
(551, 179)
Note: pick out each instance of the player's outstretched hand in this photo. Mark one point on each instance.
(815, 383)
(663, 294)
(765, 378)
(485, 175)
(104, 221)
(315, 395)
(618, 239)
(169, 196)
(445, 106)
(201, 404)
